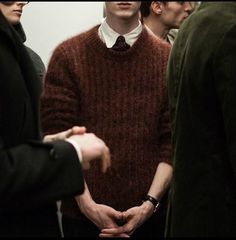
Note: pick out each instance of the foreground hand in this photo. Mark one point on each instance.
(134, 218)
(101, 215)
(93, 148)
(63, 135)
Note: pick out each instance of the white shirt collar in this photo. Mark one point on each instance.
(109, 36)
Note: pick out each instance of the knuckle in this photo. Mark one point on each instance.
(129, 229)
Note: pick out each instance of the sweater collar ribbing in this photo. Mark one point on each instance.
(98, 46)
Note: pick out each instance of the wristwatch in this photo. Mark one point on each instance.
(151, 199)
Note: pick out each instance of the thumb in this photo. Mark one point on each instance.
(124, 216)
(119, 216)
(78, 130)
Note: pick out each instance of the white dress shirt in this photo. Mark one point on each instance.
(77, 148)
(109, 36)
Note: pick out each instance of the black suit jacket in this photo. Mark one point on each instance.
(33, 175)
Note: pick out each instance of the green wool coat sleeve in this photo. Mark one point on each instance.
(225, 76)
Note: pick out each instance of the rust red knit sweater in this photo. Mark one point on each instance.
(122, 98)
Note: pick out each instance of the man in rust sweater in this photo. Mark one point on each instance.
(118, 91)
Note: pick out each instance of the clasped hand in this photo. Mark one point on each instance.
(132, 219)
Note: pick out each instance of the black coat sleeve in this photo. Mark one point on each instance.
(35, 174)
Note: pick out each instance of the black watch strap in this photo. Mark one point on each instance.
(154, 201)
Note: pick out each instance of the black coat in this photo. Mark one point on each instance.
(36, 59)
(202, 88)
(33, 175)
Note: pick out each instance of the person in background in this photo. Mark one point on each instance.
(37, 61)
(174, 31)
(162, 17)
(202, 86)
(34, 175)
(112, 79)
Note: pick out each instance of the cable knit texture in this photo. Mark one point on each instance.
(122, 98)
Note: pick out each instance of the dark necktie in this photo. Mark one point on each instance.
(120, 44)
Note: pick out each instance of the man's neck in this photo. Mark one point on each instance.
(157, 28)
(122, 26)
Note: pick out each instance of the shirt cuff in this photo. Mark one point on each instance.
(77, 148)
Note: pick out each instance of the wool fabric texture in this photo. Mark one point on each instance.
(122, 98)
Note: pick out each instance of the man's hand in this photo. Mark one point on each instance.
(101, 215)
(63, 135)
(134, 218)
(92, 148)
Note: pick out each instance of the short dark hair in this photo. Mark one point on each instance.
(145, 8)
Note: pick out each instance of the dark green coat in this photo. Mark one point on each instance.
(202, 88)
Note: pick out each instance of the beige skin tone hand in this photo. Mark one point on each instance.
(136, 216)
(63, 135)
(101, 215)
(91, 146)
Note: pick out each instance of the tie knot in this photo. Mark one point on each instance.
(120, 39)
(120, 44)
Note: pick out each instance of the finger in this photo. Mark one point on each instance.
(78, 130)
(109, 158)
(106, 161)
(127, 215)
(85, 165)
(48, 138)
(58, 136)
(119, 216)
(73, 131)
(123, 235)
(124, 217)
(113, 231)
(64, 135)
(127, 228)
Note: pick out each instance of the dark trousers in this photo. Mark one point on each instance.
(29, 225)
(83, 228)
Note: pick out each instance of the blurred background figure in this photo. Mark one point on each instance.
(14, 14)
(160, 17)
(36, 59)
